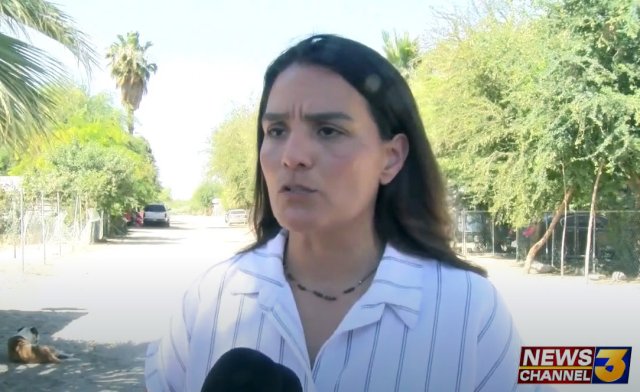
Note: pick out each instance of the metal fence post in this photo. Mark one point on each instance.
(59, 224)
(553, 245)
(546, 246)
(44, 229)
(594, 259)
(14, 209)
(22, 227)
(493, 236)
(464, 232)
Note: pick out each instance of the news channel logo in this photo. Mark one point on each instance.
(574, 365)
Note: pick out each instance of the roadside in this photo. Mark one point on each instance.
(550, 310)
(104, 303)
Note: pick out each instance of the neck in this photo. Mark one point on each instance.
(333, 260)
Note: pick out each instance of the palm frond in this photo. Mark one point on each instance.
(401, 51)
(28, 77)
(130, 68)
(49, 20)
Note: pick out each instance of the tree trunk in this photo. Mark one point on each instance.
(592, 219)
(556, 217)
(130, 119)
(564, 227)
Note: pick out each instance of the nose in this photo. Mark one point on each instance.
(298, 150)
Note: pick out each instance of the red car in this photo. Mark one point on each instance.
(129, 218)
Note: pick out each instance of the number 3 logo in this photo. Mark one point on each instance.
(611, 365)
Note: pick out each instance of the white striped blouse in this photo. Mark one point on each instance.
(421, 326)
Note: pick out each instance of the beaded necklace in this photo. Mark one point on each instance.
(320, 294)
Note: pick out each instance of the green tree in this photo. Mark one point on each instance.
(519, 106)
(131, 71)
(473, 93)
(90, 154)
(402, 51)
(28, 73)
(591, 97)
(203, 196)
(165, 195)
(233, 157)
(109, 179)
(6, 160)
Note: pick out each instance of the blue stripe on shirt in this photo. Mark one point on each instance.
(265, 278)
(175, 349)
(492, 316)
(402, 353)
(495, 366)
(187, 327)
(347, 354)
(403, 261)
(464, 330)
(435, 327)
(281, 356)
(262, 317)
(394, 284)
(215, 318)
(372, 356)
(237, 327)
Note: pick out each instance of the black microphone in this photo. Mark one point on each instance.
(245, 370)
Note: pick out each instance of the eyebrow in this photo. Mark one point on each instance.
(314, 117)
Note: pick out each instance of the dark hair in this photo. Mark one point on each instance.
(411, 211)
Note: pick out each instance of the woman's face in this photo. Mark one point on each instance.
(322, 157)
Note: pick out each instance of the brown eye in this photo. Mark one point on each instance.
(327, 132)
(275, 132)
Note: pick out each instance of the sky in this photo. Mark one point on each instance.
(211, 55)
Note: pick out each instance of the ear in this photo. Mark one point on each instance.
(396, 151)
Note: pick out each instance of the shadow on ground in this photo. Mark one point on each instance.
(151, 226)
(95, 367)
(144, 240)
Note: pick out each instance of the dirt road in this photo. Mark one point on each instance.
(107, 302)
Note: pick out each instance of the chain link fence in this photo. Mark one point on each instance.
(476, 233)
(615, 242)
(44, 226)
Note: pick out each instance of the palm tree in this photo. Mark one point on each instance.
(403, 52)
(30, 79)
(131, 70)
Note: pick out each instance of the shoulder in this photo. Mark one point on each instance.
(458, 290)
(449, 277)
(219, 272)
(480, 289)
(240, 271)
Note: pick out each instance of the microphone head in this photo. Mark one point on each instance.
(246, 370)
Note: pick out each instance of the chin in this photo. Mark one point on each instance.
(298, 222)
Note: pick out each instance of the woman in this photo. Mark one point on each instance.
(351, 283)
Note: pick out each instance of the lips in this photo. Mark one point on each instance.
(296, 188)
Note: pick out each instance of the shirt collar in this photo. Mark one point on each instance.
(261, 271)
(398, 282)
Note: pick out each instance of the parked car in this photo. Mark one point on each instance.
(133, 218)
(237, 216)
(156, 213)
